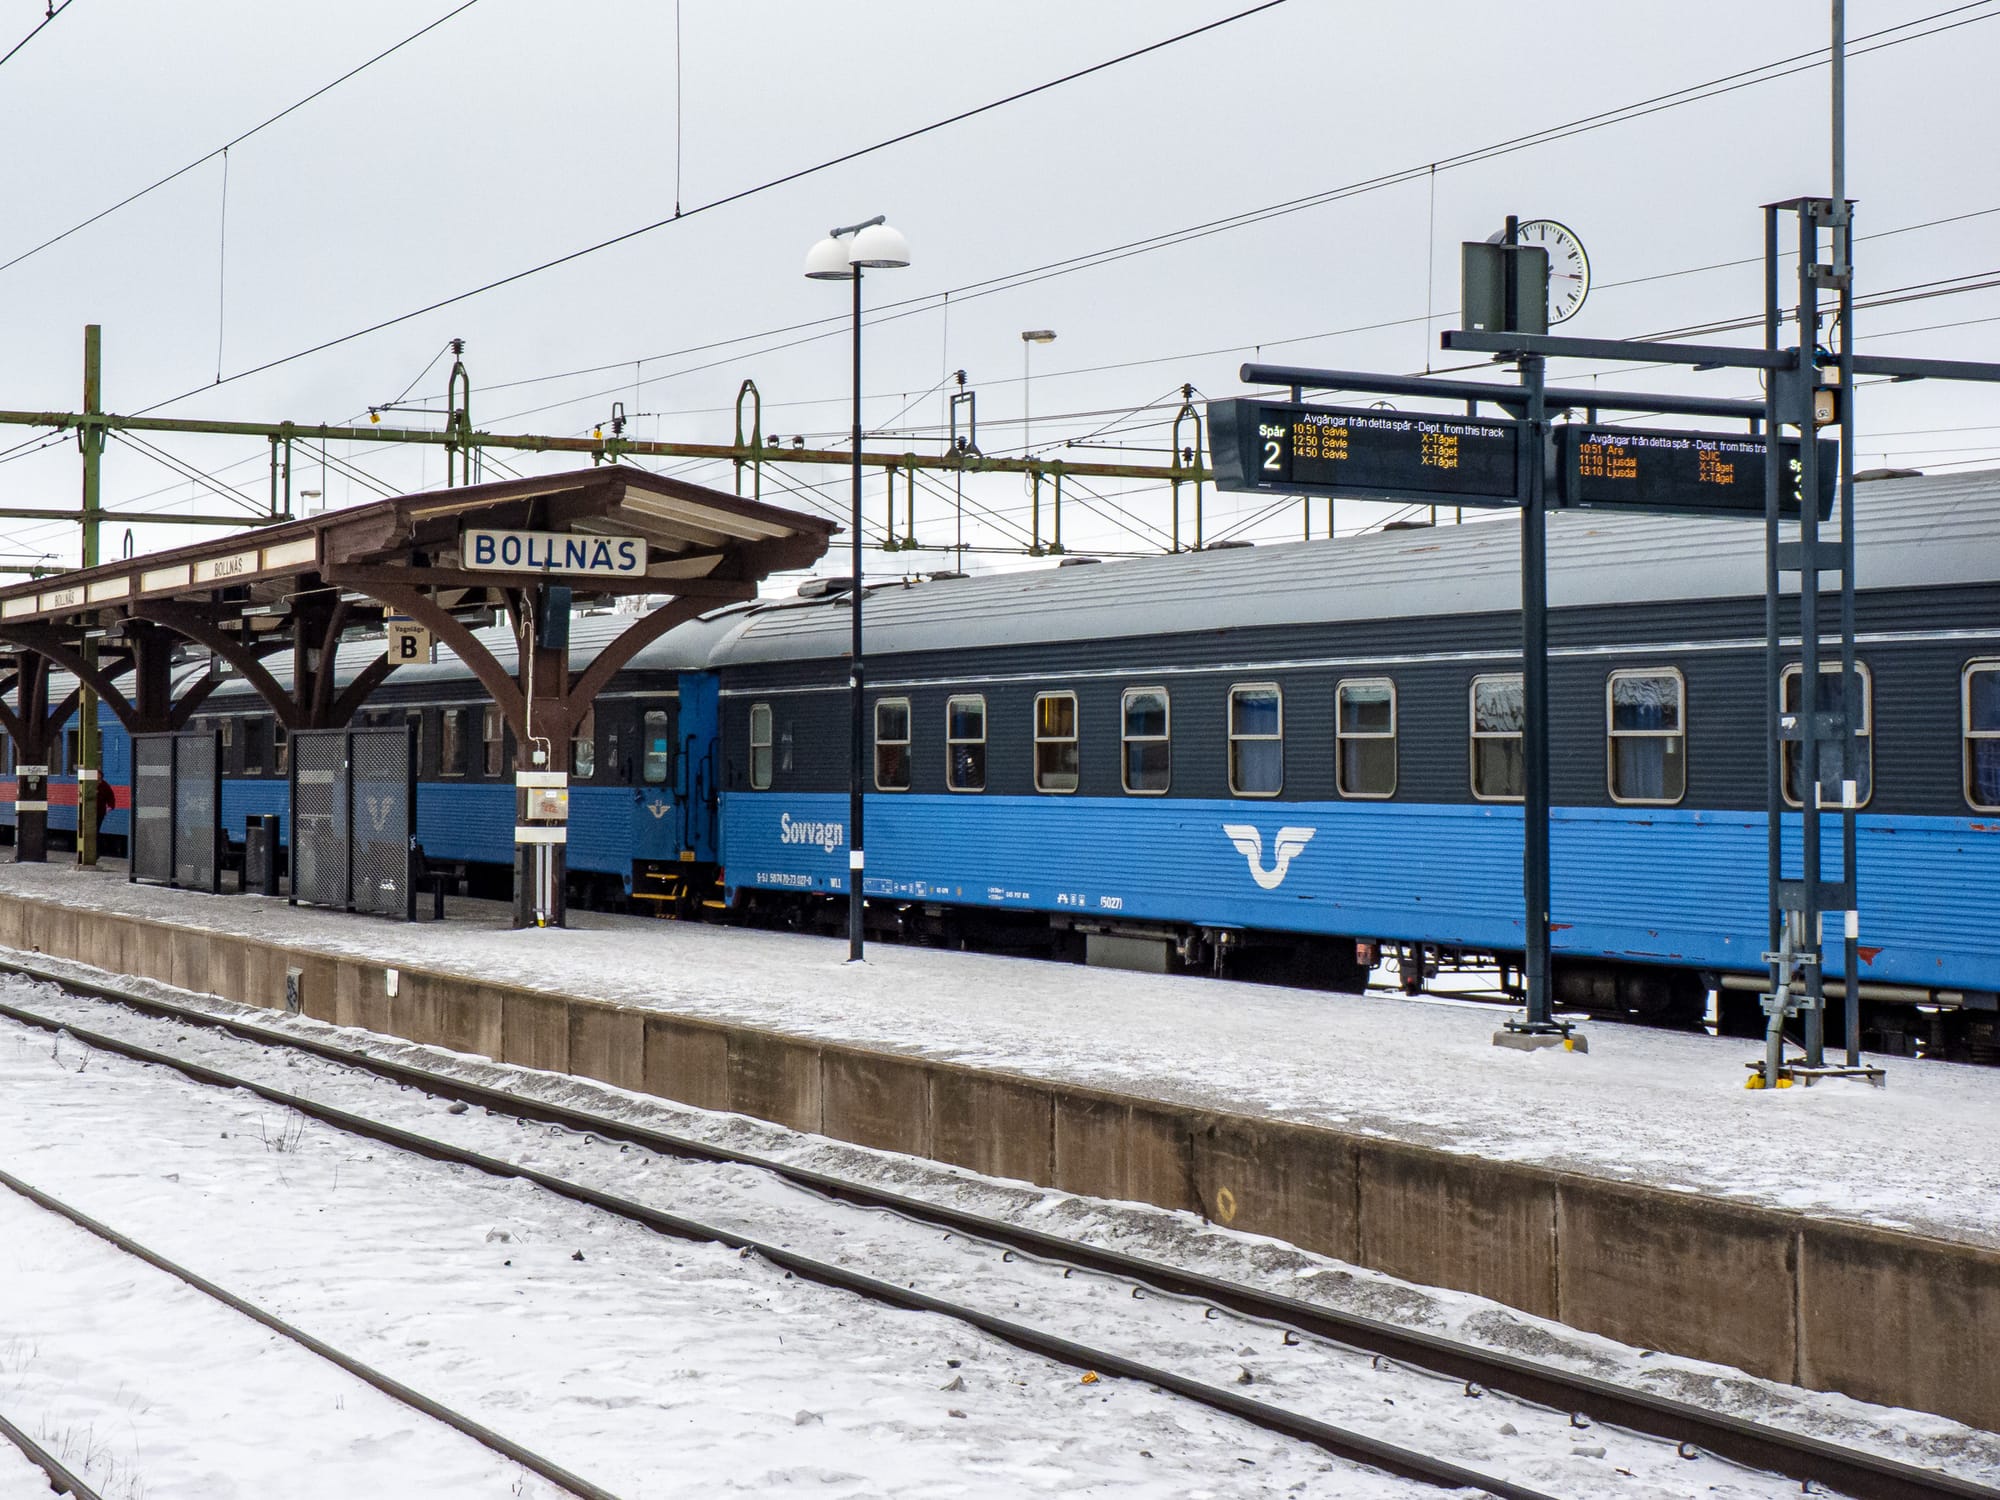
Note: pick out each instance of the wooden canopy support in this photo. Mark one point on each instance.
(101, 679)
(34, 726)
(247, 658)
(408, 600)
(558, 709)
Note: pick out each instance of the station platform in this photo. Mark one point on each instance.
(1840, 1237)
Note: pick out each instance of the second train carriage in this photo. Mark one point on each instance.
(1309, 746)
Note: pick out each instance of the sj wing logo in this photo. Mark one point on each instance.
(1284, 848)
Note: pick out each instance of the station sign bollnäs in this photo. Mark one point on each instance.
(553, 552)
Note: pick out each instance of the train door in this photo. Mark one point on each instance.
(699, 791)
(654, 835)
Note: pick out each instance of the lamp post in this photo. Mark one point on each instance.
(842, 256)
(1029, 338)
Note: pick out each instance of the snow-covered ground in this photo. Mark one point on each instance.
(650, 1366)
(1642, 1105)
(261, 1219)
(151, 1388)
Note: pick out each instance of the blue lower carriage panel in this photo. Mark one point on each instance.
(1653, 885)
(474, 821)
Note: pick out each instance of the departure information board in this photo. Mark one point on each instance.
(1682, 473)
(1326, 450)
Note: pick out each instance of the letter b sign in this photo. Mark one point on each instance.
(408, 644)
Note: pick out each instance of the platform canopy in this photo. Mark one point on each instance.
(448, 560)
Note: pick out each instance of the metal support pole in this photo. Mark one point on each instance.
(89, 756)
(1535, 707)
(1777, 951)
(1843, 266)
(748, 391)
(856, 862)
(1809, 938)
(458, 420)
(1851, 744)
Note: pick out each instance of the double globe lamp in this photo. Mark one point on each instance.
(842, 256)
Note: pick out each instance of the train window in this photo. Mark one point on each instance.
(453, 747)
(1497, 716)
(1256, 740)
(1645, 730)
(760, 745)
(253, 747)
(1982, 735)
(965, 744)
(659, 749)
(1829, 702)
(494, 738)
(1364, 733)
(1056, 760)
(1149, 745)
(583, 746)
(892, 745)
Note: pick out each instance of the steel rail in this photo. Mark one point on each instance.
(61, 1480)
(1865, 1476)
(387, 1384)
(1342, 1442)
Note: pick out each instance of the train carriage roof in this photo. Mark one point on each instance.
(1917, 531)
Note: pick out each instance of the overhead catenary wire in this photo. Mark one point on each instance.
(1727, 83)
(1967, 282)
(53, 11)
(208, 156)
(186, 470)
(1693, 93)
(741, 194)
(222, 264)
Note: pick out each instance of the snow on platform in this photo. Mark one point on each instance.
(1661, 1108)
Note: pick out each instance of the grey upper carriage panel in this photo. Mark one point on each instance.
(1919, 531)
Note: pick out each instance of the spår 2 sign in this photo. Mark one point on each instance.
(553, 552)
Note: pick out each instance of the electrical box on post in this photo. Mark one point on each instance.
(552, 628)
(1483, 287)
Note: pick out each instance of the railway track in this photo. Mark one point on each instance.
(1696, 1430)
(61, 1480)
(485, 1436)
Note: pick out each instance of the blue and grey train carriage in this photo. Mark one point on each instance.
(1288, 756)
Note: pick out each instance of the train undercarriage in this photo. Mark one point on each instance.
(1894, 1022)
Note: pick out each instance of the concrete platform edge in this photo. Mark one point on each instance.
(1889, 1317)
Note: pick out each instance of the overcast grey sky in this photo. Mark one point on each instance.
(518, 131)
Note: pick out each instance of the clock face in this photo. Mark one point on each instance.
(1569, 267)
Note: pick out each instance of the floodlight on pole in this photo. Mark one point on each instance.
(1029, 338)
(842, 256)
